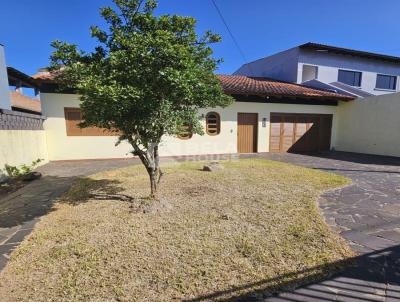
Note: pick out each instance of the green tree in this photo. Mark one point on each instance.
(147, 77)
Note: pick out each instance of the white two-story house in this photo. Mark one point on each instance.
(342, 70)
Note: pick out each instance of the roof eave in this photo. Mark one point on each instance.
(330, 98)
(13, 73)
(348, 51)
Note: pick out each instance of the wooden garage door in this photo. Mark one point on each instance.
(247, 132)
(300, 132)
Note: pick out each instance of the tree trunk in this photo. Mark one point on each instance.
(153, 184)
(151, 161)
(154, 169)
(157, 164)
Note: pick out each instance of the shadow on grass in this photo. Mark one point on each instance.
(21, 210)
(37, 198)
(370, 277)
(86, 189)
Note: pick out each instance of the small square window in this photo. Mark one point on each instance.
(352, 78)
(386, 82)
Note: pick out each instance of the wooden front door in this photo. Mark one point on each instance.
(298, 133)
(247, 132)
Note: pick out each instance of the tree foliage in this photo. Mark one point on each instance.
(147, 77)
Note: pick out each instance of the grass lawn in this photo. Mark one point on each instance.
(214, 235)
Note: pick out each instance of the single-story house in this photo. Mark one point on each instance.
(267, 116)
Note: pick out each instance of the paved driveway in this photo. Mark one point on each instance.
(367, 214)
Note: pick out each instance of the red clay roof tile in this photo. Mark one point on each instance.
(244, 85)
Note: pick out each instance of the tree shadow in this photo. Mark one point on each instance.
(32, 201)
(28, 204)
(369, 277)
(21, 210)
(86, 189)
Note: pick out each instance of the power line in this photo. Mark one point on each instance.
(229, 31)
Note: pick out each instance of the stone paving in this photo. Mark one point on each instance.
(367, 215)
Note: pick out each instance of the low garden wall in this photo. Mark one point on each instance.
(22, 138)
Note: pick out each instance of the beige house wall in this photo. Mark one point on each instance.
(19, 147)
(63, 147)
(265, 110)
(370, 125)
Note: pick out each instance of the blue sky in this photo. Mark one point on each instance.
(261, 27)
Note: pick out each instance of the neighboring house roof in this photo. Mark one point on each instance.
(337, 87)
(19, 101)
(333, 49)
(244, 85)
(348, 51)
(25, 80)
(24, 102)
(352, 90)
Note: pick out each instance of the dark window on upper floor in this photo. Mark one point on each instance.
(352, 78)
(386, 82)
(310, 72)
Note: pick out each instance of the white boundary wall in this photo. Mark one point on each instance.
(370, 125)
(22, 138)
(19, 147)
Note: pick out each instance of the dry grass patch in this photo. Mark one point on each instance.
(254, 225)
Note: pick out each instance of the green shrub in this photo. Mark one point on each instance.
(16, 172)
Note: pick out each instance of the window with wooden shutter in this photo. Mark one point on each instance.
(213, 123)
(185, 132)
(73, 116)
